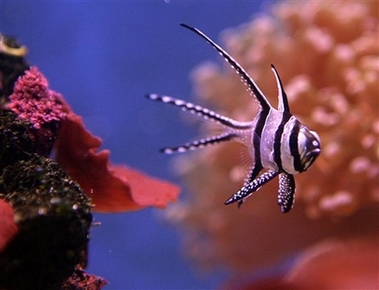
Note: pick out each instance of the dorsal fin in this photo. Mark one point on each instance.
(283, 105)
(203, 112)
(247, 80)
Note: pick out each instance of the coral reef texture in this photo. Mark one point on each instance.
(327, 54)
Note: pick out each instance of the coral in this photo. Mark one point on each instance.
(32, 100)
(327, 55)
(80, 280)
(53, 217)
(16, 139)
(334, 264)
(330, 264)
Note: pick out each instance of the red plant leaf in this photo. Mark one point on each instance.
(8, 227)
(112, 188)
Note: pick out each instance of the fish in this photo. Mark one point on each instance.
(278, 143)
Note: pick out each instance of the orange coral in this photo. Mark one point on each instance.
(327, 265)
(327, 55)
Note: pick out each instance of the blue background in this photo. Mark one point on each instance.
(104, 56)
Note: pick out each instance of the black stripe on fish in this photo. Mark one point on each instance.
(278, 138)
(257, 142)
(293, 145)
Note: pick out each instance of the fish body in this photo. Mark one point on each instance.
(277, 141)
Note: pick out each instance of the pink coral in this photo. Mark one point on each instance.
(33, 101)
(80, 280)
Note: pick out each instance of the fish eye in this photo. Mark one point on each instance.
(309, 147)
(312, 152)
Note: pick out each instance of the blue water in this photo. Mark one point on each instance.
(104, 56)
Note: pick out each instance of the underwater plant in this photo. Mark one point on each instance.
(46, 204)
(328, 55)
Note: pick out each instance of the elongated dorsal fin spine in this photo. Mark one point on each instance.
(247, 80)
(283, 105)
(201, 111)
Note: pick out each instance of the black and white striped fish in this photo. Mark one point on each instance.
(277, 141)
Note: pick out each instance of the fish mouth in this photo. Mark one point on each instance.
(314, 152)
(311, 157)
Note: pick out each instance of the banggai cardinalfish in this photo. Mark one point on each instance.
(277, 141)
